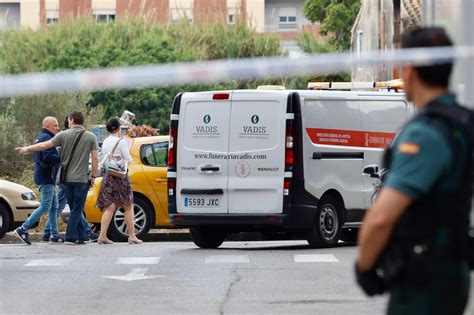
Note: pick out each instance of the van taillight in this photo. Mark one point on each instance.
(286, 186)
(173, 143)
(171, 186)
(289, 155)
(289, 145)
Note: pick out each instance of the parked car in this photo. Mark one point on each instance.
(147, 172)
(17, 202)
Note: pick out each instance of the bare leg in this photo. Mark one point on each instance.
(129, 220)
(104, 225)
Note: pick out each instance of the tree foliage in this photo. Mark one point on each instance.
(313, 45)
(336, 18)
(86, 44)
(21, 119)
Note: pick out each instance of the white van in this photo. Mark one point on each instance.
(287, 162)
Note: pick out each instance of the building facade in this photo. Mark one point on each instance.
(378, 27)
(283, 17)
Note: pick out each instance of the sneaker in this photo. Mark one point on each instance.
(55, 240)
(74, 243)
(45, 238)
(92, 237)
(23, 235)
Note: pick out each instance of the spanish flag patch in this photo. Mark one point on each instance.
(409, 148)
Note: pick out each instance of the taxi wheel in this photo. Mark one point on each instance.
(143, 217)
(4, 220)
(205, 237)
(328, 223)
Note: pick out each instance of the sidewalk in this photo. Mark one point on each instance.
(155, 235)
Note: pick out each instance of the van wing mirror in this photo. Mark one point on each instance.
(371, 170)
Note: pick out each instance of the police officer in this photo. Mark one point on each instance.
(413, 241)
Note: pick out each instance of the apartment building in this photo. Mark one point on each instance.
(283, 17)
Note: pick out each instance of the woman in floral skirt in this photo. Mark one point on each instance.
(116, 192)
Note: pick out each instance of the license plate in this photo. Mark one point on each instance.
(202, 202)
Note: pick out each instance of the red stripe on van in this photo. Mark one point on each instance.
(350, 138)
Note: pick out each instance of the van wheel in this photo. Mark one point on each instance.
(143, 217)
(207, 237)
(328, 224)
(4, 220)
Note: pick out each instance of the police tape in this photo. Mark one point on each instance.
(173, 74)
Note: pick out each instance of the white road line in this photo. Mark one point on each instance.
(315, 258)
(227, 259)
(138, 261)
(48, 262)
(133, 275)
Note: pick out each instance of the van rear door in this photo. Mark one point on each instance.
(202, 150)
(382, 118)
(257, 152)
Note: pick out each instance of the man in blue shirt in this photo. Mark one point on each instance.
(418, 225)
(46, 168)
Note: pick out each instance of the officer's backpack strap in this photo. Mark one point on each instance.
(461, 118)
(456, 117)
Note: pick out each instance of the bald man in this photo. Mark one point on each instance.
(47, 164)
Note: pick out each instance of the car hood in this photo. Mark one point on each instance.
(12, 189)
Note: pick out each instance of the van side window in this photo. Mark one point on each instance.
(155, 154)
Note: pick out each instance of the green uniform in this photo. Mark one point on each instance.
(422, 159)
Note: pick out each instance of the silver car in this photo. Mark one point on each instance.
(17, 202)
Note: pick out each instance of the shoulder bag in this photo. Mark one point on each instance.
(110, 170)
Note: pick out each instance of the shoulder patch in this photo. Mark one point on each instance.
(408, 148)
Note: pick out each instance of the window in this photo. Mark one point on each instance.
(180, 13)
(232, 15)
(103, 16)
(52, 16)
(287, 16)
(155, 154)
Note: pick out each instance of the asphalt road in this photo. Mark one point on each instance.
(281, 277)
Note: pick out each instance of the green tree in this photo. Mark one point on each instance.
(310, 44)
(21, 119)
(86, 44)
(336, 18)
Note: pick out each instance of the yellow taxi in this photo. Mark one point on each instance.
(147, 172)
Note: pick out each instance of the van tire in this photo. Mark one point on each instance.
(205, 237)
(4, 220)
(328, 223)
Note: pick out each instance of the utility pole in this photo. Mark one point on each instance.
(396, 34)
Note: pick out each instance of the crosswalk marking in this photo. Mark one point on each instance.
(215, 259)
(138, 261)
(227, 259)
(315, 258)
(48, 262)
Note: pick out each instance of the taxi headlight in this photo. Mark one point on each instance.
(28, 196)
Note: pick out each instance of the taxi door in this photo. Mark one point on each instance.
(154, 157)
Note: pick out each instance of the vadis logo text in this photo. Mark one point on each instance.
(254, 130)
